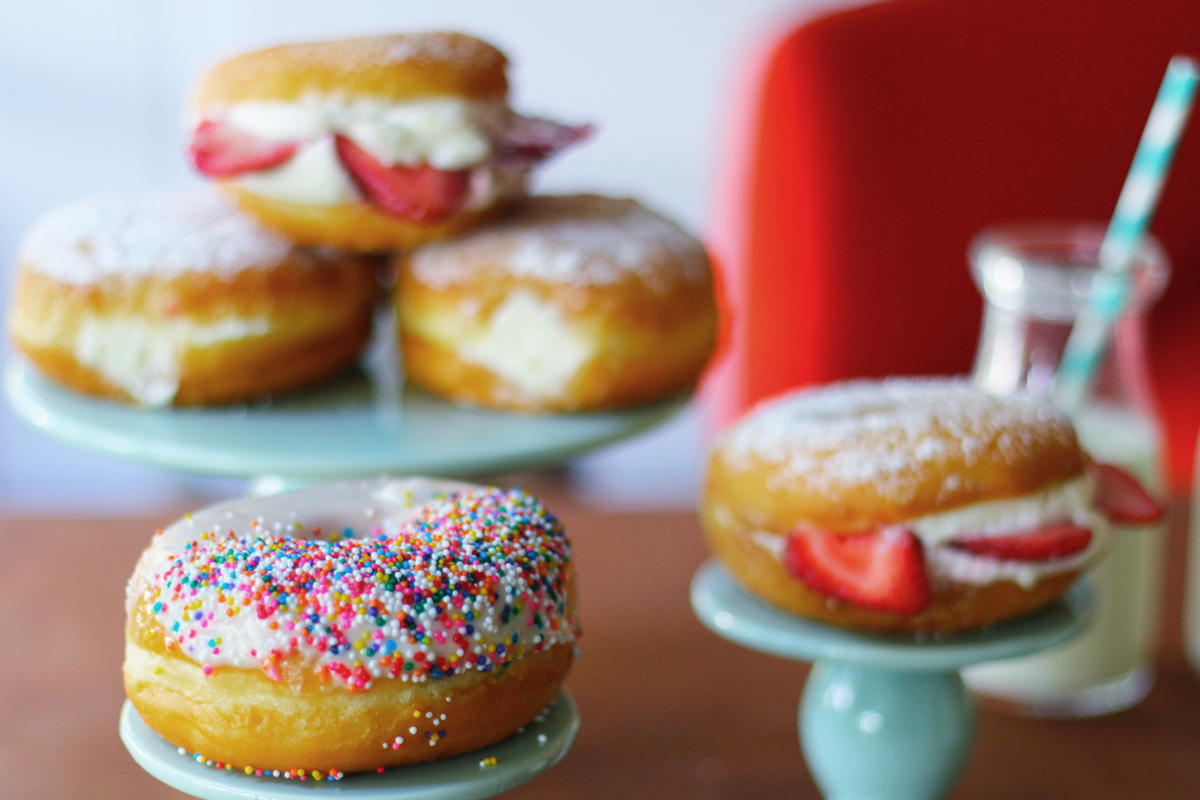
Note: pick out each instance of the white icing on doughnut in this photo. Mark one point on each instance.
(360, 505)
(105, 237)
(881, 435)
(571, 240)
(378, 596)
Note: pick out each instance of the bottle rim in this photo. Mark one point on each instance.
(1049, 268)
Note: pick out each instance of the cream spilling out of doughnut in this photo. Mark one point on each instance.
(351, 626)
(183, 299)
(369, 144)
(566, 303)
(919, 505)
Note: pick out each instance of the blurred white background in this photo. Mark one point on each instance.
(91, 92)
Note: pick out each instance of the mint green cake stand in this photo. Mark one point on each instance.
(519, 758)
(881, 717)
(353, 427)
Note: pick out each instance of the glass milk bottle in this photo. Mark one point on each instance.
(1036, 279)
(1191, 602)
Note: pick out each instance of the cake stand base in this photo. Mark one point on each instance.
(519, 758)
(881, 717)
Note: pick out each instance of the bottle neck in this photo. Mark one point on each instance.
(1036, 280)
(1117, 422)
(1018, 352)
(1021, 352)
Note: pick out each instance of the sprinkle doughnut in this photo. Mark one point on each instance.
(182, 299)
(917, 505)
(566, 304)
(373, 144)
(351, 626)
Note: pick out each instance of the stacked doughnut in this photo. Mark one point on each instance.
(366, 146)
(350, 626)
(371, 144)
(180, 299)
(908, 505)
(567, 304)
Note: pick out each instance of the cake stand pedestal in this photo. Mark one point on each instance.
(357, 426)
(519, 758)
(881, 717)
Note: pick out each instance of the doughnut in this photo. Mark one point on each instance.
(903, 505)
(371, 145)
(350, 626)
(181, 299)
(567, 303)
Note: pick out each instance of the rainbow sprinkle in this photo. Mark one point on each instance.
(473, 582)
(288, 774)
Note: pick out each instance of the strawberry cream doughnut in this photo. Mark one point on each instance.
(903, 505)
(182, 299)
(369, 144)
(350, 626)
(565, 304)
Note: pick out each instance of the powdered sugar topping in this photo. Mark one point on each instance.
(884, 434)
(581, 239)
(111, 236)
(458, 50)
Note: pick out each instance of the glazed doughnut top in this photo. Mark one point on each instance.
(110, 237)
(412, 579)
(577, 239)
(905, 446)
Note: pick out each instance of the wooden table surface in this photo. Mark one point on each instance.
(669, 710)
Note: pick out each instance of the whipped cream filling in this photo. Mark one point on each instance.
(951, 565)
(143, 356)
(314, 176)
(527, 342)
(446, 133)
(1071, 500)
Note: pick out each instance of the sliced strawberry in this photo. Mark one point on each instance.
(222, 151)
(883, 570)
(1053, 541)
(534, 139)
(421, 193)
(1121, 498)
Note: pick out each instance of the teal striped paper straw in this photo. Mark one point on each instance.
(1135, 208)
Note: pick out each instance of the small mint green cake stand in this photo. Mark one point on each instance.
(881, 717)
(519, 758)
(353, 427)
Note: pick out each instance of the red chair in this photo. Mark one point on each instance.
(876, 142)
